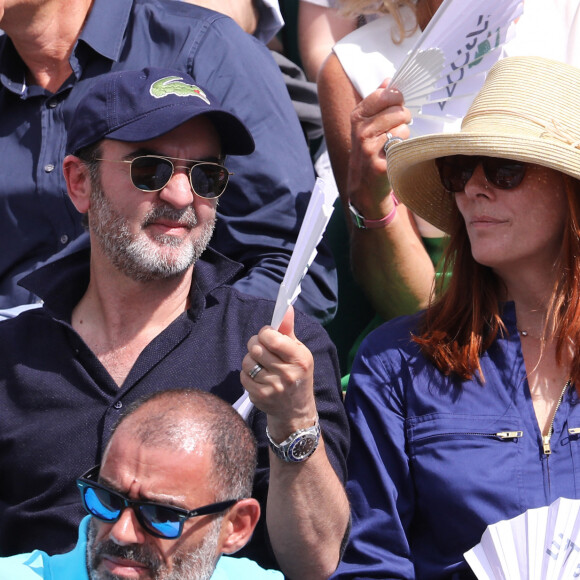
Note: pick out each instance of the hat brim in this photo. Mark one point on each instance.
(415, 180)
(234, 136)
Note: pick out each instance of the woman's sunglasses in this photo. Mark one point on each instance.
(159, 520)
(153, 172)
(456, 170)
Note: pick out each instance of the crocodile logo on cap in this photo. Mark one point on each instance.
(175, 86)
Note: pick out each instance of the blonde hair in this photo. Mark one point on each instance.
(354, 8)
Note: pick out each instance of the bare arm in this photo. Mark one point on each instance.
(307, 511)
(390, 263)
(319, 28)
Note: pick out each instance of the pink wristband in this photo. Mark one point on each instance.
(385, 221)
(367, 224)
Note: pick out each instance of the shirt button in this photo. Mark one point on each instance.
(49, 167)
(63, 239)
(52, 104)
(118, 405)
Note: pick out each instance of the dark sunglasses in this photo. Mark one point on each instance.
(456, 170)
(159, 520)
(153, 172)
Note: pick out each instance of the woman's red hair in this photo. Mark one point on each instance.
(460, 325)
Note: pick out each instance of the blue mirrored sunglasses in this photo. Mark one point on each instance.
(159, 520)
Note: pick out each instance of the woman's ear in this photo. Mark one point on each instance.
(238, 525)
(78, 182)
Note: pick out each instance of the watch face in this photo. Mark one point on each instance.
(302, 447)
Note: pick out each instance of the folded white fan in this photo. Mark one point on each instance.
(540, 544)
(447, 66)
(419, 77)
(316, 218)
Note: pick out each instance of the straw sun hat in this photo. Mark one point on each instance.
(527, 110)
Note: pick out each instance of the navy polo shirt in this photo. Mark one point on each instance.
(58, 403)
(261, 212)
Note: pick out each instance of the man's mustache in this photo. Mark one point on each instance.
(134, 552)
(185, 217)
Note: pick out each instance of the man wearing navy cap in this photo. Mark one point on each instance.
(153, 311)
(49, 53)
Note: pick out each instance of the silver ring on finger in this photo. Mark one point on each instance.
(391, 140)
(253, 372)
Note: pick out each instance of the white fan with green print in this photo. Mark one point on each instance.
(448, 64)
(540, 544)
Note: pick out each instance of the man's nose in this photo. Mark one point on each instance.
(178, 192)
(127, 529)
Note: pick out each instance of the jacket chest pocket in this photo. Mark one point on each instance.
(466, 471)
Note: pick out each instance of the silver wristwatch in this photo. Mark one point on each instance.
(299, 446)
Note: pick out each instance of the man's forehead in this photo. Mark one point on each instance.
(157, 472)
(161, 431)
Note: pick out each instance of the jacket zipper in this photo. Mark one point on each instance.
(546, 438)
(509, 434)
(503, 435)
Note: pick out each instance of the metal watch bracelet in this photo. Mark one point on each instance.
(299, 446)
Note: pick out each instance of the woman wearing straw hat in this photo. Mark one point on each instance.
(467, 413)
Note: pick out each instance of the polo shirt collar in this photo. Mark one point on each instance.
(73, 564)
(212, 270)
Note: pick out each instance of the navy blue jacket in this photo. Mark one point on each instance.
(262, 210)
(434, 460)
(58, 403)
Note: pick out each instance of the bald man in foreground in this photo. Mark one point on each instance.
(172, 495)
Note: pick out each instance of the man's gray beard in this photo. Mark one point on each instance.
(198, 564)
(137, 256)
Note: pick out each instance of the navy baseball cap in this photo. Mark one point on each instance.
(140, 105)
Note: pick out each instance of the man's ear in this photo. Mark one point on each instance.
(238, 525)
(78, 182)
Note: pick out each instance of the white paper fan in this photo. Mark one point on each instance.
(316, 218)
(540, 544)
(419, 77)
(447, 66)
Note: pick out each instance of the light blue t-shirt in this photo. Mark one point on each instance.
(72, 565)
